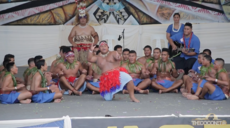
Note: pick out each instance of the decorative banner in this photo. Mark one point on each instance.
(122, 12)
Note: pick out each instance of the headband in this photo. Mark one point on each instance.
(69, 54)
(103, 42)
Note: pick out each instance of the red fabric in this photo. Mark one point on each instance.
(71, 79)
(82, 46)
(110, 79)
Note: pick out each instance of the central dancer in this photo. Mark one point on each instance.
(113, 78)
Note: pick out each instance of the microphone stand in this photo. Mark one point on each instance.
(123, 35)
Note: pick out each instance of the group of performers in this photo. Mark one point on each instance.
(89, 65)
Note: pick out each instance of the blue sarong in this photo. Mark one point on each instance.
(42, 97)
(9, 98)
(218, 94)
(135, 82)
(194, 87)
(124, 79)
(95, 84)
(83, 87)
(165, 83)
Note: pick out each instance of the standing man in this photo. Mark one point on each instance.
(81, 36)
(113, 78)
(190, 40)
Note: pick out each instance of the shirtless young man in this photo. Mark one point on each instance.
(69, 82)
(135, 69)
(118, 48)
(114, 78)
(31, 65)
(151, 61)
(54, 66)
(147, 50)
(43, 93)
(81, 36)
(188, 81)
(94, 76)
(164, 69)
(31, 72)
(11, 91)
(8, 58)
(216, 88)
(207, 70)
(125, 56)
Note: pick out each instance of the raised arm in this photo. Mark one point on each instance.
(117, 56)
(92, 58)
(71, 36)
(95, 36)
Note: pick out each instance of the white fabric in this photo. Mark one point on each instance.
(28, 41)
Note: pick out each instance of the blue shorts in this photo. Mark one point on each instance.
(124, 79)
(202, 83)
(42, 97)
(135, 82)
(165, 83)
(83, 87)
(218, 94)
(9, 98)
(194, 87)
(95, 84)
(154, 77)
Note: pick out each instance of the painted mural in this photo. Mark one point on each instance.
(122, 12)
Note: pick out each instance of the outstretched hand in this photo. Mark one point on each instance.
(92, 47)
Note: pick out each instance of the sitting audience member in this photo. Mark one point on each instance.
(151, 62)
(69, 82)
(43, 93)
(11, 91)
(147, 50)
(125, 56)
(208, 52)
(165, 69)
(118, 48)
(216, 88)
(31, 65)
(135, 69)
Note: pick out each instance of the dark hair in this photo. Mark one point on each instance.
(221, 60)
(8, 57)
(61, 48)
(147, 46)
(188, 24)
(157, 49)
(103, 41)
(203, 54)
(165, 50)
(30, 60)
(40, 63)
(209, 58)
(208, 50)
(116, 47)
(9, 65)
(132, 51)
(36, 58)
(66, 50)
(176, 14)
(126, 50)
(98, 52)
(97, 46)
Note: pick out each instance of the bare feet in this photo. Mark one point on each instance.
(182, 90)
(70, 92)
(125, 92)
(27, 101)
(94, 92)
(135, 100)
(77, 92)
(57, 100)
(192, 97)
(184, 94)
(160, 91)
(175, 90)
(144, 91)
(62, 91)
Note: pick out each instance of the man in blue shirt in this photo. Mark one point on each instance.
(186, 60)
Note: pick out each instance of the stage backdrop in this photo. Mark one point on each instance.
(122, 12)
(28, 41)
